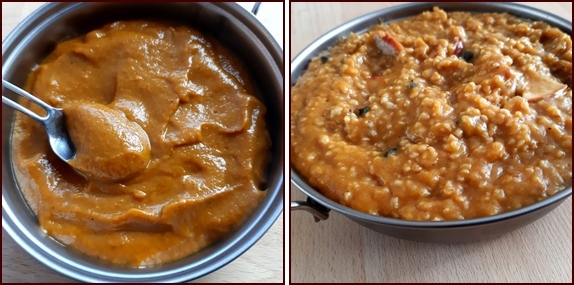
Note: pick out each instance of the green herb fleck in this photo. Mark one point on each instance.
(381, 21)
(361, 112)
(390, 152)
(467, 56)
(324, 59)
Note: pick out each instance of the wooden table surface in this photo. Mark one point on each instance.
(261, 263)
(339, 250)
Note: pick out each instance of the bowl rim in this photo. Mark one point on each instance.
(358, 25)
(262, 218)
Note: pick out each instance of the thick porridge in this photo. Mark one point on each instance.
(443, 116)
(172, 142)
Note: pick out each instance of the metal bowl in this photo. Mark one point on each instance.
(34, 38)
(443, 231)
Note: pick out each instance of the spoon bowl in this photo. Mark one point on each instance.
(53, 122)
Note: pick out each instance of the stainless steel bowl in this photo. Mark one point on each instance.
(444, 231)
(34, 38)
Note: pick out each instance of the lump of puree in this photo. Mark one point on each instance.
(109, 147)
(206, 157)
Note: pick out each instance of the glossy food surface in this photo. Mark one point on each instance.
(207, 134)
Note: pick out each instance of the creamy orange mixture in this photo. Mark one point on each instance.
(172, 142)
(109, 146)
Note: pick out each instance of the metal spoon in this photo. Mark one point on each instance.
(53, 122)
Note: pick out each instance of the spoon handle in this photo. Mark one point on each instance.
(28, 96)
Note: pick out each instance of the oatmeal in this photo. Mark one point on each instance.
(442, 116)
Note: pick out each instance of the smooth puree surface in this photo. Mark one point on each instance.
(192, 137)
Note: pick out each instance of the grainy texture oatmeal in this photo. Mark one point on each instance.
(443, 116)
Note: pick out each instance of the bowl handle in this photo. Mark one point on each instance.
(318, 211)
(255, 8)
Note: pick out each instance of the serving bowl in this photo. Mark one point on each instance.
(35, 37)
(443, 231)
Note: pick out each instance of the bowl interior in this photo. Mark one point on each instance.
(399, 12)
(37, 36)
